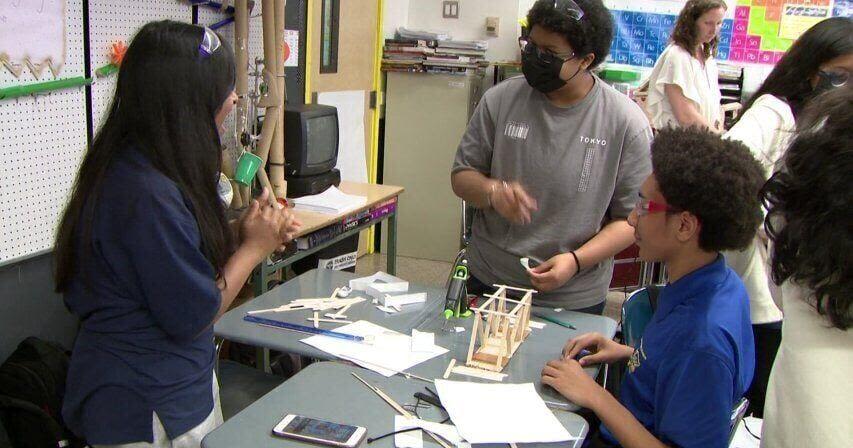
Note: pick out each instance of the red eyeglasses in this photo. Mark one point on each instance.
(646, 206)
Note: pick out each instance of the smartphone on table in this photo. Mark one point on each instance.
(318, 431)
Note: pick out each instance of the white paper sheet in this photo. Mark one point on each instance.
(351, 137)
(500, 413)
(390, 352)
(422, 341)
(411, 439)
(332, 201)
(291, 44)
(447, 432)
(32, 33)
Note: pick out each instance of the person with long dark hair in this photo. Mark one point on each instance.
(821, 59)
(144, 254)
(683, 87)
(810, 225)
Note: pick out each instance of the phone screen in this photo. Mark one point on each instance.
(319, 429)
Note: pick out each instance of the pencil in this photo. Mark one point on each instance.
(554, 320)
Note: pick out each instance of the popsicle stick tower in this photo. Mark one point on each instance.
(498, 331)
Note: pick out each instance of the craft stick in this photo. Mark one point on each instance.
(449, 368)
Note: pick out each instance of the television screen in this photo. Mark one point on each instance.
(310, 139)
(322, 139)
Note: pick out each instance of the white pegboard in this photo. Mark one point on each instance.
(111, 21)
(42, 140)
(209, 16)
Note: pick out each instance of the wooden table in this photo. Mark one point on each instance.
(312, 222)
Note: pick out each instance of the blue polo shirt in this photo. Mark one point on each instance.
(146, 297)
(695, 360)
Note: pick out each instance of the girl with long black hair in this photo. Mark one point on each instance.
(810, 211)
(144, 254)
(821, 59)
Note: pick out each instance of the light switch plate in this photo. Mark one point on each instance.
(493, 25)
(450, 9)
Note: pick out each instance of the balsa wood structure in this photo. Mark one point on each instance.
(498, 331)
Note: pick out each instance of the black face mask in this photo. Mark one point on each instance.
(542, 69)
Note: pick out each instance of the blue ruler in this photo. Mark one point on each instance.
(301, 328)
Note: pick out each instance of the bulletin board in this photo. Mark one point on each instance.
(44, 137)
(753, 32)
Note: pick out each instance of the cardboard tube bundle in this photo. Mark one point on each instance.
(279, 186)
(241, 52)
(271, 146)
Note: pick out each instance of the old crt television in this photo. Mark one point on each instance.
(310, 139)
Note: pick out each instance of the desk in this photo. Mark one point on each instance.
(525, 366)
(312, 221)
(309, 393)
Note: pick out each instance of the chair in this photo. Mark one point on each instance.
(637, 311)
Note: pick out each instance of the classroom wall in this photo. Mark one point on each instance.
(29, 307)
(396, 13)
(471, 24)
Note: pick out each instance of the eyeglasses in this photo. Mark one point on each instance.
(836, 78)
(209, 43)
(645, 206)
(530, 48)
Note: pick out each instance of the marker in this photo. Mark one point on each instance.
(301, 328)
(555, 321)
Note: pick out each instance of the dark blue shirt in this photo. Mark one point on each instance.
(146, 297)
(695, 360)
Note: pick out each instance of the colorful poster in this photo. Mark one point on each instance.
(796, 19)
(753, 31)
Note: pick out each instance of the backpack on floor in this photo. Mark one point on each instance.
(32, 385)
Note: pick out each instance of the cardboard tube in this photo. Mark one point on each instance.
(241, 53)
(276, 158)
(263, 149)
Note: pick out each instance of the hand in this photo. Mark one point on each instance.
(511, 201)
(260, 226)
(289, 225)
(603, 350)
(567, 377)
(553, 273)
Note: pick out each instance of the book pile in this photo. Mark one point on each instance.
(346, 224)
(421, 51)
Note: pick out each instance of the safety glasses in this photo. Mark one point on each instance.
(569, 9)
(209, 43)
(836, 78)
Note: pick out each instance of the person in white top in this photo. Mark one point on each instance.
(683, 87)
(820, 59)
(808, 221)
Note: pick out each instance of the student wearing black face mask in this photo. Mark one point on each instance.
(821, 59)
(552, 161)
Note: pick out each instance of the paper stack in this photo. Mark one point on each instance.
(331, 202)
(389, 353)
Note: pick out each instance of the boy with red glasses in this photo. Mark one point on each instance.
(695, 359)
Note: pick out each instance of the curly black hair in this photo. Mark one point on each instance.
(810, 207)
(717, 180)
(593, 33)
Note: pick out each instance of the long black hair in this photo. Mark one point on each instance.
(789, 80)
(166, 98)
(810, 207)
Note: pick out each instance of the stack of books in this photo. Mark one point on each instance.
(458, 57)
(346, 224)
(430, 52)
(406, 55)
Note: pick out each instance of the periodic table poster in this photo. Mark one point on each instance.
(753, 31)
